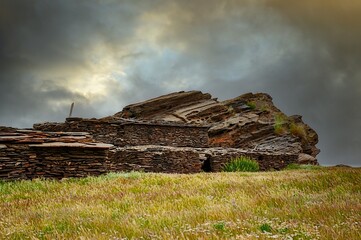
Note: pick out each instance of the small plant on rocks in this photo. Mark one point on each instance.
(252, 105)
(280, 125)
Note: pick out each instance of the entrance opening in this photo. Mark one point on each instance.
(206, 166)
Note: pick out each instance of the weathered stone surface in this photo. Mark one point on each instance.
(71, 145)
(28, 154)
(124, 132)
(245, 122)
(168, 103)
(306, 159)
(4, 129)
(156, 158)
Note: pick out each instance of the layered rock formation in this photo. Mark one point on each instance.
(250, 121)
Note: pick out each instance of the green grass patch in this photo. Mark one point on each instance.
(252, 105)
(280, 124)
(241, 164)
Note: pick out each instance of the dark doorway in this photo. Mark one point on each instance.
(206, 166)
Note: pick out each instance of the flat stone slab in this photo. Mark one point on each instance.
(212, 150)
(27, 131)
(74, 133)
(11, 138)
(73, 137)
(2, 146)
(73, 145)
(10, 134)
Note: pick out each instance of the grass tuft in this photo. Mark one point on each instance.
(298, 130)
(265, 227)
(220, 226)
(280, 125)
(252, 105)
(241, 164)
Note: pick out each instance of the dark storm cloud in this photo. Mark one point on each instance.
(46, 45)
(305, 54)
(105, 54)
(326, 85)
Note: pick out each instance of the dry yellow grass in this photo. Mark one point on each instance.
(293, 204)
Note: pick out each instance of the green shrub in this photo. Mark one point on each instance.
(241, 164)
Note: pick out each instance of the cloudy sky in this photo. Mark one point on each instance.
(105, 54)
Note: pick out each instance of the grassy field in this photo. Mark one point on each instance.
(293, 204)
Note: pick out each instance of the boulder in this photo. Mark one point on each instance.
(306, 159)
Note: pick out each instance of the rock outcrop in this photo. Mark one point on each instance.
(250, 121)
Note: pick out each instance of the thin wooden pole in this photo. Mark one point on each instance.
(71, 109)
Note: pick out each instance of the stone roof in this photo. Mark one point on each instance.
(49, 139)
(130, 121)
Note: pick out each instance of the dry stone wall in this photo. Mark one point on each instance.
(69, 161)
(155, 159)
(165, 135)
(33, 154)
(266, 161)
(101, 131)
(16, 161)
(23, 161)
(131, 133)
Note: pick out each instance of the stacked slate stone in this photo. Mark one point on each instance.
(125, 132)
(66, 160)
(101, 130)
(267, 161)
(16, 161)
(28, 154)
(155, 159)
(175, 135)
